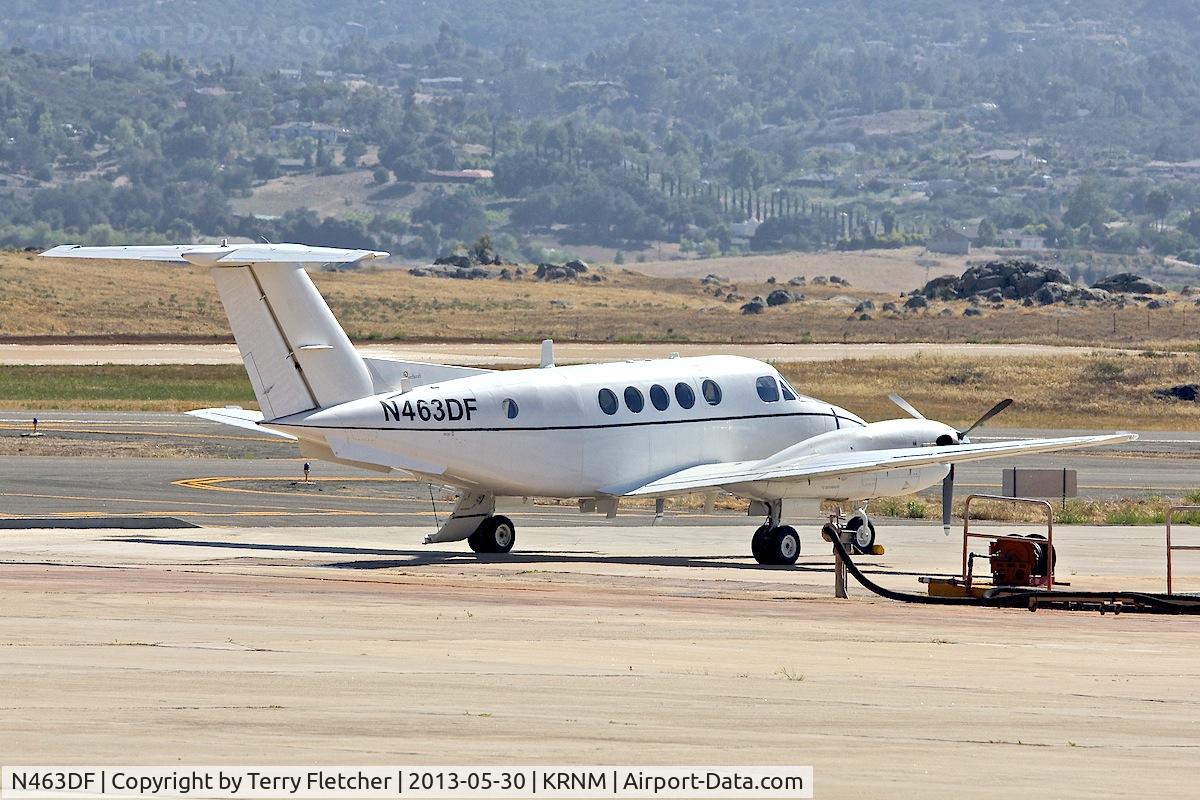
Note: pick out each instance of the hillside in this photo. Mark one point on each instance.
(60, 301)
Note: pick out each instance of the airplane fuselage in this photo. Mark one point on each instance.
(586, 430)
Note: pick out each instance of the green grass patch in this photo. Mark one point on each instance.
(168, 387)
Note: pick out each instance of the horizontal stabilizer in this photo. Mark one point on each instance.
(214, 255)
(238, 418)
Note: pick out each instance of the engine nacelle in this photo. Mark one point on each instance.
(887, 435)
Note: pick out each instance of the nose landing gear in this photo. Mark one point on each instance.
(859, 526)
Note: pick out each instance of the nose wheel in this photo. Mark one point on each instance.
(862, 536)
(778, 545)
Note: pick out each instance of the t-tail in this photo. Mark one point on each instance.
(297, 356)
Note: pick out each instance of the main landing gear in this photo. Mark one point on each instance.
(774, 543)
(496, 534)
(779, 545)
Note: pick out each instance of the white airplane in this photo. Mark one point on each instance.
(597, 433)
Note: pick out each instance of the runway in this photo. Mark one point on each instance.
(351, 645)
(209, 474)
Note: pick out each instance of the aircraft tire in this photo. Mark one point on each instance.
(496, 534)
(862, 540)
(760, 545)
(785, 545)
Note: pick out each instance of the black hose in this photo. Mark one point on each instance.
(1032, 599)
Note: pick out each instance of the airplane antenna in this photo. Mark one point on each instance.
(434, 505)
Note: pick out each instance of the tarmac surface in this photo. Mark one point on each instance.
(475, 353)
(214, 608)
(217, 475)
(588, 645)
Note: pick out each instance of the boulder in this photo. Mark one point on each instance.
(454, 260)
(713, 280)
(755, 306)
(575, 265)
(1188, 392)
(944, 287)
(972, 311)
(865, 305)
(889, 306)
(1129, 283)
(799, 280)
(780, 297)
(917, 301)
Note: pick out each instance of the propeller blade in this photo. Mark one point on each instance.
(947, 499)
(996, 409)
(906, 406)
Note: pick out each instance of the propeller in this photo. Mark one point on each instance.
(905, 406)
(948, 481)
(996, 409)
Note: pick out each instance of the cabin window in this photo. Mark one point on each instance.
(711, 392)
(768, 389)
(608, 401)
(788, 392)
(684, 395)
(510, 408)
(634, 400)
(659, 397)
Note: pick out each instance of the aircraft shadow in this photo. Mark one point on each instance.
(387, 558)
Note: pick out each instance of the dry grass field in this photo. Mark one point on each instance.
(1077, 392)
(1087, 391)
(887, 271)
(53, 300)
(330, 195)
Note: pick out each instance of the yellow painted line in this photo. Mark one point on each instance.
(265, 509)
(164, 434)
(217, 484)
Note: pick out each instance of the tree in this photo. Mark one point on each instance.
(745, 170)
(987, 233)
(1158, 203)
(355, 149)
(1088, 205)
(888, 218)
(459, 215)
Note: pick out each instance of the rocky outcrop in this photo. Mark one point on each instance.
(997, 280)
(1129, 283)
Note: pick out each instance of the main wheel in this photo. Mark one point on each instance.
(781, 546)
(863, 537)
(497, 534)
(760, 546)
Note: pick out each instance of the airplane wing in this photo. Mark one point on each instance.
(238, 418)
(717, 476)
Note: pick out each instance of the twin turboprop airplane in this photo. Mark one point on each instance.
(597, 433)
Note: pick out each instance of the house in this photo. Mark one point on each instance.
(292, 131)
(949, 241)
